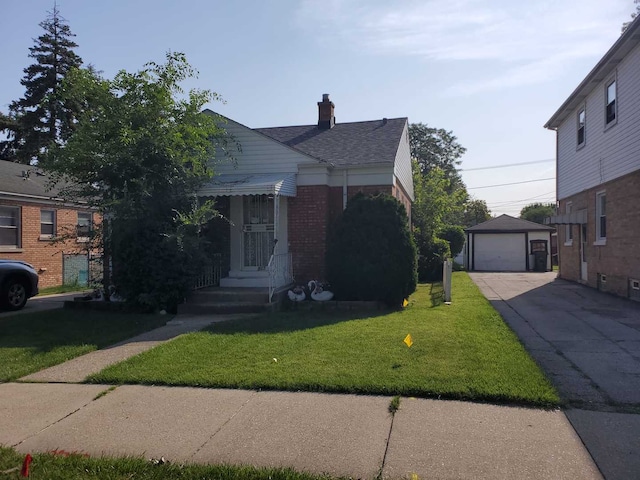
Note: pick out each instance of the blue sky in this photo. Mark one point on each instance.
(492, 71)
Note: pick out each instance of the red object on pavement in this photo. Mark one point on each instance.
(25, 465)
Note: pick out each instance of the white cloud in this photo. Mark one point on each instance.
(527, 41)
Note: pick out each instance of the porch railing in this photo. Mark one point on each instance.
(210, 274)
(280, 270)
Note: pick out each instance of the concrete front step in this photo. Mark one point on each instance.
(230, 295)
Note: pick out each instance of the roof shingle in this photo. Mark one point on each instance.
(354, 143)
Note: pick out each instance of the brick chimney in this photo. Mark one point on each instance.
(326, 118)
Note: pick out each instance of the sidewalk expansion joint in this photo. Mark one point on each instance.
(224, 424)
(52, 424)
(386, 448)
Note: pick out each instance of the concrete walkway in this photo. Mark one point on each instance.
(588, 343)
(345, 435)
(76, 370)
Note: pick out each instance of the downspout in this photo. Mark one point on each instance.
(344, 189)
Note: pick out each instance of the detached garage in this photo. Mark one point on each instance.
(508, 244)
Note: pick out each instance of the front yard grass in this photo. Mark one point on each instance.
(63, 465)
(32, 341)
(462, 351)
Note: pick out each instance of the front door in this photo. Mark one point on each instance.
(257, 231)
(583, 252)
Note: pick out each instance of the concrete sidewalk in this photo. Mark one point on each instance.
(77, 369)
(345, 435)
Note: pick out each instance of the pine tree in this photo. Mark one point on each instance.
(42, 116)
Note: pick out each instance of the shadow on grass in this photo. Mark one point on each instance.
(48, 330)
(436, 294)
(290, 321)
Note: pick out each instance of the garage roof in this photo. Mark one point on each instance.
(507, 223)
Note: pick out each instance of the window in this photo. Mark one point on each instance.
(568, 235)
(84, 225)
(601, 217)
(47, 223)
(610, 112)
(581, 127)
(10, 227)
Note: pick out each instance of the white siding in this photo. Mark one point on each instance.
(362, 176)
(402, 168)
(608, 153)
(259, 154)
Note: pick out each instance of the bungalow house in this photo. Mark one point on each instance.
(598, 173)
(32, 218)
(287, 185)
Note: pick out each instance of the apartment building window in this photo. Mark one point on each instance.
(568, 235)
(47, 223)
(601, 217)
(611, 102)
(9, 227)
(84, 225)
(581, 127)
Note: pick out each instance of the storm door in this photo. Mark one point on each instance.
(258, 231)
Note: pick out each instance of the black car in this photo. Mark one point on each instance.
(18, 282)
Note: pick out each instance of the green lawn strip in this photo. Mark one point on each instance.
(32, 341)
(462, 351)
(63, 466)
(61, 289)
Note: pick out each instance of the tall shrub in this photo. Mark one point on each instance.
(371, 254)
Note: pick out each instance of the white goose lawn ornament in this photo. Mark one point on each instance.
(297, 294)
(318, 293)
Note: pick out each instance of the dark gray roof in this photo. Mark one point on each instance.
(355, 143)
(17, 178)
(506, 223)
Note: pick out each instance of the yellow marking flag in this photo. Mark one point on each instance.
(408, 340)
(414, 476)
(405, 302)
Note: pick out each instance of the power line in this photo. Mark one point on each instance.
(509, 202)
(533, 162)
(512, 183)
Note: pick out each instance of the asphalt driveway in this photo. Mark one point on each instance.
(588, 344)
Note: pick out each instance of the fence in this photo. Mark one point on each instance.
(210, 275)
(280, 272)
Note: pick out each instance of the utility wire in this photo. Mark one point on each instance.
(512, 183)
(509, 202)
(533, 162)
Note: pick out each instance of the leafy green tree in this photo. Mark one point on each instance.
(454, 235)
(625, 25)
(537, 212)
(371, 254)
(138, 154)
(44, 115)
(476, 211)
(436, 148)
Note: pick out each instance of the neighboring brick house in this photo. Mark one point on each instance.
(598, 173)
(288, 184)
(31, 217)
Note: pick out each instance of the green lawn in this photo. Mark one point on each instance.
(61, 289)
(463, 351)
(32, 341)
(64, 466)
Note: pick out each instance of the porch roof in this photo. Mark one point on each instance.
(250, 184)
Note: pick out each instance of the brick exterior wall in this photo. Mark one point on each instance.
(619, 259)
(310, 216)
(44, 254)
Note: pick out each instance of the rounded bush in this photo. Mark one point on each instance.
(371, 254)
(433, 253)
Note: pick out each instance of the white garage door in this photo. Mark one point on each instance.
(500, 252)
